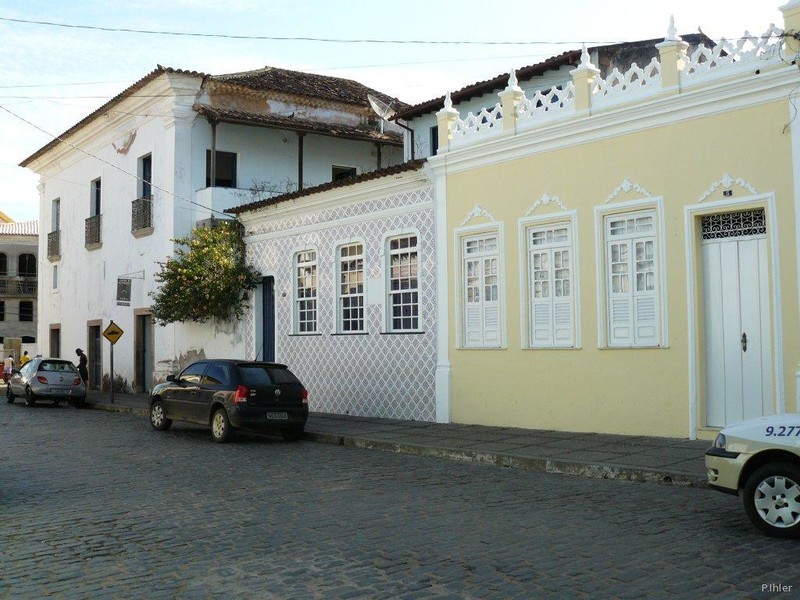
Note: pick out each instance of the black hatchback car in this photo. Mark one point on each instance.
(232, 394)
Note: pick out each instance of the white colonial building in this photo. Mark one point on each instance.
(166, 154)
(19, 246)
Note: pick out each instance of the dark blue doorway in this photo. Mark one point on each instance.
(268, 318)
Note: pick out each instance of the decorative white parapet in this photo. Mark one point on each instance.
(545, 106)
(509, 99)
(488, 121)
(728, 58)
(583, 78)
(622, 86)
(672, 57)
(446, 119)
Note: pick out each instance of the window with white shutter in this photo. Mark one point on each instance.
(305, 292)
(632, 280)
(481, 291)
(551, 288)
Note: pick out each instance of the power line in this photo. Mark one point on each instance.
(323, 39)
(112, 165)
(296, 38)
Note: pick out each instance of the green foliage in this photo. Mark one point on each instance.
(206, 279)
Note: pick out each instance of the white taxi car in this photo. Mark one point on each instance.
(759, 459)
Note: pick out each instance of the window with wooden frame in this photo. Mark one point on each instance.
(551, 285)
(403, 290)
(632, 279)
(350, 289)
(305, 292)
(480, 279)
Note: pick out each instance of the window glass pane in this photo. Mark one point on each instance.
(403, 282)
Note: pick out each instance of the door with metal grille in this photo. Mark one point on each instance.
(738, 358)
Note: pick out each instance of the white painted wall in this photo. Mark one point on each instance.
(167, 128)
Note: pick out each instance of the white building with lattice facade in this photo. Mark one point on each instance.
(349, 295)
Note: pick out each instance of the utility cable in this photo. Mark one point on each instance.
(112, 165)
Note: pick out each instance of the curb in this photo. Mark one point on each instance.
(510, 461)
(523, 463)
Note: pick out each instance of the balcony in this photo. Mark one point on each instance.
(18, 286)
(54, 245)
(92, 232)
(142, 216)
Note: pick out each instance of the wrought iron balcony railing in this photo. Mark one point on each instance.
(54, 245)
(93, 230)
(18, 286)
(142, 214)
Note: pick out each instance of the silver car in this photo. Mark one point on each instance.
(51, 379)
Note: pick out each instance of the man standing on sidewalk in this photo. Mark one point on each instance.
(83, 366)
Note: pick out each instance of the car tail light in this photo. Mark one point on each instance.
(77, 381)
(41, 379)
(304, 396)
(240, 397)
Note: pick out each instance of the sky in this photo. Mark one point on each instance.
(55, 74)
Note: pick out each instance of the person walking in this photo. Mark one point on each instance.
(83, 366)
(8, 367)
(24, 359)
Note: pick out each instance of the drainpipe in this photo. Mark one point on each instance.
(213, 169)
(407, 128)
(300, 136)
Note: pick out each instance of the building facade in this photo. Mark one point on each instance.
(349, 292)
(19, 247)
(620, 259)
(165, 155)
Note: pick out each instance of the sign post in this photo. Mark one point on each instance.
(112, 333)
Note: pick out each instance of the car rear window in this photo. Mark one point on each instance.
(255, 375)
(64, 367)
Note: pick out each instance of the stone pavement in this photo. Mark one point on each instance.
(635, 458)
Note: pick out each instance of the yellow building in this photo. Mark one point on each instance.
(622, 254)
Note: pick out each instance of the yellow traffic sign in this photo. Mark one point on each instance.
(113, 332)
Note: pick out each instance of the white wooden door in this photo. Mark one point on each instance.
(738, 360)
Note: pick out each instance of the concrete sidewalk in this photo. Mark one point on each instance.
(634, 458)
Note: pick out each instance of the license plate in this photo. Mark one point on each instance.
(62, 391)
(280, 416)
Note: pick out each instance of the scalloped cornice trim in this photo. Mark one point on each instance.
(627, 186)
(727, 182)
(477, 212)
(544, 201)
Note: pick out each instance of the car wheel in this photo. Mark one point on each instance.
(79, 402)
(221, 429)
(9, 394)
(292, 434)
(30, 399)
(158, 417)
(56, 403)
(772, 499)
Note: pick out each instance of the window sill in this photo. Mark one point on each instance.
(346, 333)
(94, 246)
(407, 332)
(145, 231)
(54, 258)
(537, 348)
(633, 347)
(304, 334)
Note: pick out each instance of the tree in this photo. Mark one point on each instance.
(206, 279)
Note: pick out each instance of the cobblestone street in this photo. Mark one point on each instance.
(97, 505)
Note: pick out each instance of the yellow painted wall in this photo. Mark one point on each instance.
(626, 391)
